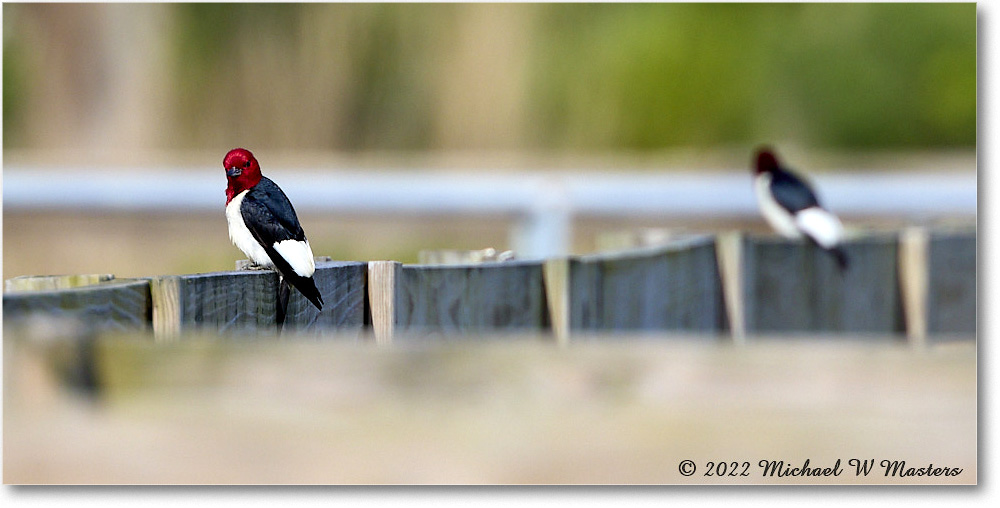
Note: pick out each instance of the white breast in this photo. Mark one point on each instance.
(241, 236)
(780, 219)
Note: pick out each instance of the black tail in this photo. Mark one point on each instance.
(840, 256)
(307, 287)
(834, 251)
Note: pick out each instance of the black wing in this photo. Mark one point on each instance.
(791, 192)
(269, 216)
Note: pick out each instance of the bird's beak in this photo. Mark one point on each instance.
(233, 171)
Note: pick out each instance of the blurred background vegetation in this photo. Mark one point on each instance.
(93, 79)
(472, 87)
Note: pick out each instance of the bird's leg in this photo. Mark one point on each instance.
(284, 291)
(246, 264)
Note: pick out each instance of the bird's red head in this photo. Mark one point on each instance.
(242, 171)
(766, 160)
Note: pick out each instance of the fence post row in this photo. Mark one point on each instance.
(917, 284)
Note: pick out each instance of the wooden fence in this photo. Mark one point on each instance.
(915, 284)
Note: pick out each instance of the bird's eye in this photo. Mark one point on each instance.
(246, 164)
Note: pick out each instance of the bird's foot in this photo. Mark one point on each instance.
(246, 264)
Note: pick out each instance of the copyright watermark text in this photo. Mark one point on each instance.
(779, 468)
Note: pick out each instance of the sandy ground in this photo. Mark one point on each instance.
(505, 411)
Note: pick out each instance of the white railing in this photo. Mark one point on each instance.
(544, 203)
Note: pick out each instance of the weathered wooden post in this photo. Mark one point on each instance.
(913, 280)
(382, 277)
(794, 286)
(556, 274)
(454, 299)
(242, 302)
(729, 251)
(166, 308)
(951, 299)
(342, 284)
(116, 304)
(671, 287)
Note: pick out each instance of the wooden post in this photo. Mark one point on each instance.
(913, 282)
(670, 287)
(792, 286)
(382, 298)
(342, 284)
(555, 272)
(240, 302)
(165, 295)
(728, 249)
(122, 304)
(951, 286)
(436, 300)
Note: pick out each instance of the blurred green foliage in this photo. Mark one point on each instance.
(839, 75)
(589, 77)
(14, 89)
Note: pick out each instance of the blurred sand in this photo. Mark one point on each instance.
(504, 411)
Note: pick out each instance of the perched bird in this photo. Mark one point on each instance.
(263, 224)
(790, 206)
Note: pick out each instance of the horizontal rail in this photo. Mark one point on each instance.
(543, 203)
(685, 194)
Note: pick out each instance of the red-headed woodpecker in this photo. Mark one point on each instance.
(262, 223)
(790, 206)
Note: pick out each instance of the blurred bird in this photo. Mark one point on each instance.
(263, 224)
(791, 208)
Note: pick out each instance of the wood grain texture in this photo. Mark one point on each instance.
(166, 303)
(242, 302)
(342, 285)
(792, 286)
(728, 248)
(114, 305)
(913, 281)
(382, 276)
(673, 287)
(556, 272)
(463, 298)
(952, 284)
